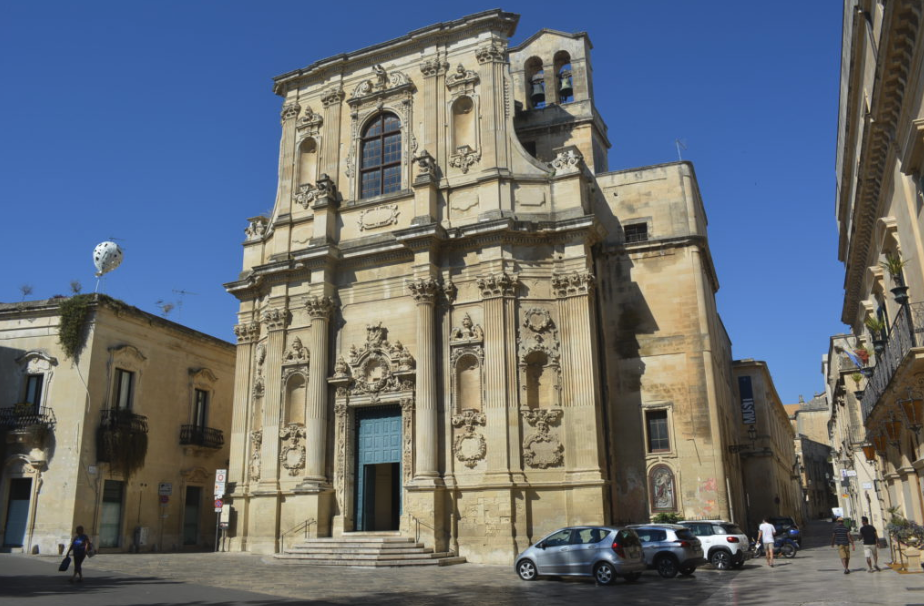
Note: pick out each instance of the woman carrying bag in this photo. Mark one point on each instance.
(80, 545)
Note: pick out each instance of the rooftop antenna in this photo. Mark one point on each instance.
(179, 303)
(681, 144)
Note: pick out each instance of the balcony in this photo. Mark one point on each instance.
(196, 435)
(27, 424)
(902, 356)
(122, 440)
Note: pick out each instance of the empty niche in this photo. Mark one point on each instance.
(307, 161)
(468, 383)
(296, 399)
(463, 123)
(539, 383)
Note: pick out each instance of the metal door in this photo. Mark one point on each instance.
(111, 515)
(378, 440)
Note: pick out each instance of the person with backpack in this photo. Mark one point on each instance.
(80, 545)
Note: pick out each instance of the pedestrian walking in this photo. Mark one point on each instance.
(766, 535)
(842, 539)
(80, 545)
(870, 544)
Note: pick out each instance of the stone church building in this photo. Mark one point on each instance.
(458, 324)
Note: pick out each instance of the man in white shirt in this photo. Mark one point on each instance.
(766, 535)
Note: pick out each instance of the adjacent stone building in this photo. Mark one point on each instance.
(117, 426)
(768, 459)
(813, 455)
(880, 192)
(456, 324)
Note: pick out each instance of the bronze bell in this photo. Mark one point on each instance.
(566, 88)
(538, 87)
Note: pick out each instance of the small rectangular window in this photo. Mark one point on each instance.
(124, 389)
(658, 439)
(637, 232)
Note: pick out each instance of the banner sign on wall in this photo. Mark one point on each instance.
(748, 414)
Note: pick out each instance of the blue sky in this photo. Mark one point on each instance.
(155, 123)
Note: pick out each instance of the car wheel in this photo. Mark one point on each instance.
(604, 573)
(788, 551)
(666, 567)
(633, 577)
(721, 559)
(527, 570)
(687, 570)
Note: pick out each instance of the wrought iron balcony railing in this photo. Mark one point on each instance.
(21, 417)
(122, 419)
(196, 435)
(907, 331)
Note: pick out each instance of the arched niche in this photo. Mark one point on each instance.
(662, 489)
(468, 381)
(539, 384)
(535, 75)
(308, 161)
(296, 398)
(463, 123)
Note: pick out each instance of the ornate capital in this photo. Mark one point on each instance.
(570, 285)
(498, 285)
(275, 318)
(320, 307)
(424, 290)
(433, 67)
(247, 333)
(567, 161)
(290, 110)
(333, 96)
(492, 52)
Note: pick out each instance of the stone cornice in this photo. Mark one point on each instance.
(491, 20)
(895, 60)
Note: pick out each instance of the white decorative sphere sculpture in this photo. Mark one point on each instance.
(106, 256)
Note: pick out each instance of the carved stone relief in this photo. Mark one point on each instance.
(464, 157)
(462, 82)
(256, 228)
(274, 318)
(498, 285)
(297, 353)
(468, 332)
(542, 449)
(310, 122)
(341, 412)
(567, 161)
(469, 446)
(379, 216)
(290, 111)
(246, 333)
(492, 52)
(256, 443)
(539, 359)
(378, 367)
(407, 437)
(292, 453)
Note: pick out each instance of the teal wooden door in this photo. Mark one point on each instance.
(378, 440)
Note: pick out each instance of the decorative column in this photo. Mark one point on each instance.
(432, 112)
(287, 156)
(574, 292)
(274, 320)
(332, 100)
(246, 334)
(320, 310)
(424, 291)
(499, 291)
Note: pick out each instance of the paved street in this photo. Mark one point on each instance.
(813, 577)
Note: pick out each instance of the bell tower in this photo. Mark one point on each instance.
(553, 91)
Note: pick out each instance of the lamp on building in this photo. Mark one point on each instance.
(869, 451)
(880, 442)
(752, 436)
(892, 427)
(913, 407)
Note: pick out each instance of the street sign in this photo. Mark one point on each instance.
(221, 476)
(867, 485)
(218, 504)
(165, 489)
(164, 499)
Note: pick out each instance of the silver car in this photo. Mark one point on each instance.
(670, 548)
(601, 552)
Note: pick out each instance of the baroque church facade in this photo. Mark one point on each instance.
(456, 324)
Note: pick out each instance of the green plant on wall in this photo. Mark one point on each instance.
(666, 518)
(74, 313)
(876, 326)
(123, 442)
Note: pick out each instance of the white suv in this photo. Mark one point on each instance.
(724, 544)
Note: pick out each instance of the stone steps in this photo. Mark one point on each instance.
(366, 549)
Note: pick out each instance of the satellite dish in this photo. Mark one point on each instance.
(106, 257)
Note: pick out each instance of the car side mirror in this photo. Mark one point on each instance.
(541, 545)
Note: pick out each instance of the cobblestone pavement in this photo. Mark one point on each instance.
(813, 577)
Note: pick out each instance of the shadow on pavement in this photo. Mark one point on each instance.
(40, 585)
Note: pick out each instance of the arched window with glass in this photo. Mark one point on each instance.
(380, 156)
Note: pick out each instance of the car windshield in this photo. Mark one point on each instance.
(732, 529)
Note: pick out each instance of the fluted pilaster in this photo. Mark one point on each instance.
(320, 309)
(424, 291)
(246, 335)
(274, 320)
